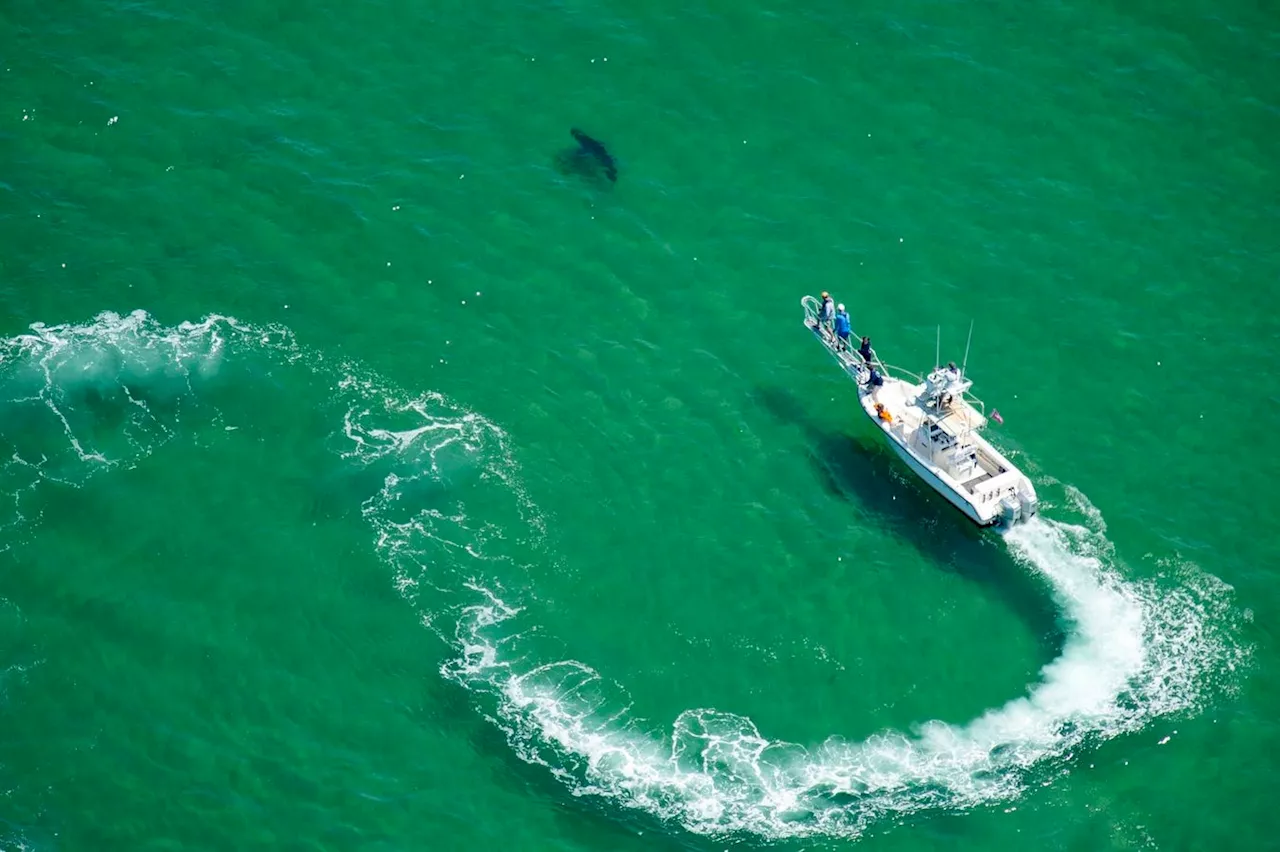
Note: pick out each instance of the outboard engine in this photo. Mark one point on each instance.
(1028, 505)
(1010, 510)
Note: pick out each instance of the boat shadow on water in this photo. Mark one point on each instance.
(861, 470)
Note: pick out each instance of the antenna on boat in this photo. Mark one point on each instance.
(965, 363)
(937, 349)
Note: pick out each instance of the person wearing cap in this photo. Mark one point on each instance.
(826, 312)
(843, 327)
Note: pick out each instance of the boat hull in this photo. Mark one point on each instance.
(1014, 500)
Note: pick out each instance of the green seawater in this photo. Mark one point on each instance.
(372, 481)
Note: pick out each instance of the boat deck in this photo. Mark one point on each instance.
(894, 395)
(989, 467)
(898, 396)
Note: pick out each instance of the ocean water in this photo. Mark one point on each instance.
(378, 475)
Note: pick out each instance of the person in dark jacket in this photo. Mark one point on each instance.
(868, 354)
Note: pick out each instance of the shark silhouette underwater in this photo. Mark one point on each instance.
(589, 159)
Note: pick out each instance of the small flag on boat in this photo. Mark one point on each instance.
(995, 415)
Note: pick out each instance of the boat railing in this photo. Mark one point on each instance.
(811, 305)
(893, 371)
(851, 357)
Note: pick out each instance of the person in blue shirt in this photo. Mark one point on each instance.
(843, 327)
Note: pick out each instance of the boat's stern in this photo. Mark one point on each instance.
(1019, 506)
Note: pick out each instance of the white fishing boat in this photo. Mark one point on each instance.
(935, 425)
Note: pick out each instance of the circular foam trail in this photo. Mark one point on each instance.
(1135, 652)
(78, 400)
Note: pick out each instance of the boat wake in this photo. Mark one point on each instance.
(1135, 652)
(440, 491)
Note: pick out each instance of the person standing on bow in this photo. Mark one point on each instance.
(826, 312)
(868, 354)
(843, 327)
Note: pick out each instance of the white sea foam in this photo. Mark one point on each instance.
(1134, 652)
(1135, 649)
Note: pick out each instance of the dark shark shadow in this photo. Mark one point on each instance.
(589, 160)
